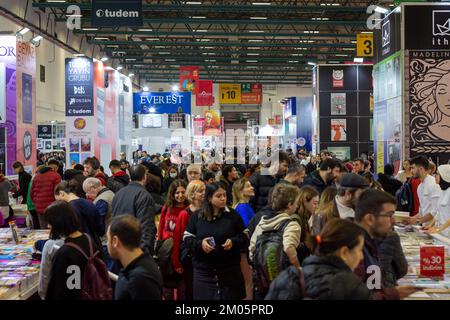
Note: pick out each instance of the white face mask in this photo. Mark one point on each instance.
(173, 175)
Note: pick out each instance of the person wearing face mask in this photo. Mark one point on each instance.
(215, 237)
(350, 187)
(173, 174)
(329, 272)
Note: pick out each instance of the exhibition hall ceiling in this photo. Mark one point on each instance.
(236, 41)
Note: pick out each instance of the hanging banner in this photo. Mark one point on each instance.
(229, 93)
(251, 93)
(364, 44)
(189, 79)
(118, 13)
(161, 102)
(204, 97)
(79, 87)
(213, 123)
(79, 132)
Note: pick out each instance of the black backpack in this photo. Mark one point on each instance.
(405, 200)
(269, 259)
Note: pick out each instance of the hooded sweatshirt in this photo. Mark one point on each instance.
(291, 235)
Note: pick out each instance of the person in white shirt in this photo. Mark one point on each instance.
(442, 218)
(428, 191)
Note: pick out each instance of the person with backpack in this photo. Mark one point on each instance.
(119, 178)
(215, 237)
(274, 243)
(140, 278)
(181, 259)
(76, 273)
(175, 203)
(338, 250)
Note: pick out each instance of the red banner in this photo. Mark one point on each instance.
(253, 97)
(204, 97)
(189, 79)
(432, 261)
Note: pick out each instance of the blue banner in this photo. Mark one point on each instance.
(119, 13)
(161, 102)
(304, 123)
(79, 87)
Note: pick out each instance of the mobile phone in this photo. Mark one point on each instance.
(211, 242)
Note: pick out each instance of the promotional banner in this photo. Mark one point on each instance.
(79, 131)
(162, 102)
(189, 79)
(387, 37)
(304, 123)
(118, 13)
(429, 102)
(204, 97)
(229, 93)
(79, 87)
(26, 104)
(44, 131)
(251, 93)
(213, 123)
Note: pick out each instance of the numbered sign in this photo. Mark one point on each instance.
(432, 261)
(364, 45)
(229, 93)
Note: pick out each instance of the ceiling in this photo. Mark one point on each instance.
(231, 41)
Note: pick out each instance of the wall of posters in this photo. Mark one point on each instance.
(338, 129)
(338, 104)
(429, 101)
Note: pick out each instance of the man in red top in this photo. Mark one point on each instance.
(92, 169)
(43, 189)
(415, 182)
(119, 178)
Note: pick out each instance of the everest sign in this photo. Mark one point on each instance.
(432, 261)
(204, 97)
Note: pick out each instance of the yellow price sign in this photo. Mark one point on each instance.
(229, 93)
(364, 45)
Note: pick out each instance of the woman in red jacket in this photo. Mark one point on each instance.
(175, 203)
(195, 194)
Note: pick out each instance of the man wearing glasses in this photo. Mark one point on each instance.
(374, 212)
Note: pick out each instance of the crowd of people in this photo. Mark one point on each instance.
(315, 228)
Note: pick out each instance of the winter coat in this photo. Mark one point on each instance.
(117, 181)
(24, 182)
(77, 175)
(262, 185)
(135, 200)
(315, 180)
(43, 188)
(5, 187)
(329, 278)
(265, 212)
(392, 259)
(389, 183)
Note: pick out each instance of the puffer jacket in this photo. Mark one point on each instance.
(329, 278)
(262, 185)
(392, 259)
(117, 181)
(43, 188)
(314, 180)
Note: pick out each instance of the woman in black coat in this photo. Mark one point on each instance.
(329, 273)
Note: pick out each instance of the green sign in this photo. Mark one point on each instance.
(246, 87)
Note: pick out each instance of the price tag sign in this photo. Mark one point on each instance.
(432, 261)
(229, 93)
(364, 45)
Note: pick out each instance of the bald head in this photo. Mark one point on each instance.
(92, 186)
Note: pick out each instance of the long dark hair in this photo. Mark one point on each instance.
(63, 219)
(171, 202)
(207, 211)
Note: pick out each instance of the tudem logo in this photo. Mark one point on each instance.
(100, 13)
(441, 22)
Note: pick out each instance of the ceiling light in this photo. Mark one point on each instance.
(197, 17)
(258, 18)
(152, 110)
(170, 60)
(341, 55)
(320, 19)
(251, 61)
(348, 49)
(119, 68)
(261, 3)
(311, 63)
(36, 39)
(145, 88)
(193, 2)
(112, 45)
(78, 55)
(175, 88)
(293, 61)
(130, 59)
(145, 30)
(210, 60)
(333, 62)
(104, 58)
(60, 1)
(253, 54)
(358, 60)
(101, 38)
(23, 31)
(90, 29)
(256, 31)
(309, 32)
(381, 10)
(200, 30)
(152, 39)
(255, 40)
(163, 52)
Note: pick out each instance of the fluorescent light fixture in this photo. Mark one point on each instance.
(163, 52)
(253, 54)
(311, 32)
(152, 39)
(320, 19)
(36, 39)
(354, 41)
(206, 47)
(119, 68)
(367, 32)
(254, 48)
(255, 40)
(296, 54)
(251, 61)
(78, 55)
(193, 2)
(101, 38)
(200, 30)
(251, 67)
(333, 62)
(90, 29)
(23, 31)
(381, 10)
(258, 18)
(145, 30)
(131, 75)
(175, 88)
(145, 88)
(311, 63)
(210, 60)
(104, 58)
(261, 3)
(198, 17)
(130, 59)
(170, 60)
(112, 45)
(358, 60)
(341, 55)
(293, 61)
(256, 31)
(138, 65)
(348, 49)
(60, 1)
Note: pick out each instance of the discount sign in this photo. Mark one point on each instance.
(432, 261)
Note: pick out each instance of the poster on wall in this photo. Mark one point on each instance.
(79, 133)
(101, 113)
(79, 87)
(338, 78)
(48, 145)
(189, 79)
(213, 123)
(342, 153)
(27, 98)
(429, 97)
(199, 124)
(338, 129)
(338, 104)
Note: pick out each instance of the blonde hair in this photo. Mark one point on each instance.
(194, 167)
(192, 188)
(237, 191)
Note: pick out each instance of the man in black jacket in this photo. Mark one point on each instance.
(135, 200)
(119, 178)
(263, 183)
(140, 278)
(320, 179)
(24, 181)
